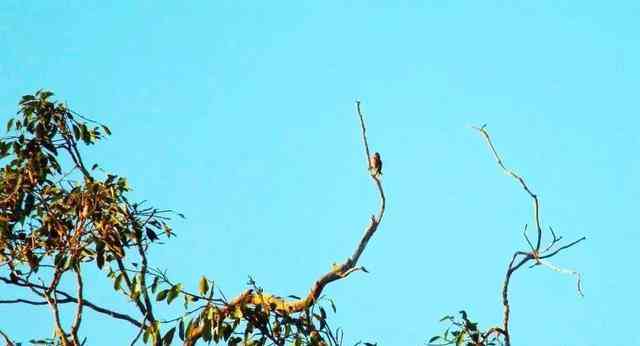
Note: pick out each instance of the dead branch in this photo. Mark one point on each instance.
(535, 255)
(337, 272)
(536, 203)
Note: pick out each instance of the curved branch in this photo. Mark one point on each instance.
(505, 292)
(536, 203)
(337, 272)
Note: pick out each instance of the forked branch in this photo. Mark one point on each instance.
(535, 254)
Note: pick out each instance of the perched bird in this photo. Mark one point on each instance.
(375, 165)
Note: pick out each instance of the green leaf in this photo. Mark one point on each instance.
(45, 94)
(26, 99)
(434, 338)
(333, 305)
(99, 253)
(203, 286)
(181, 330)
(118, 281)
(460, 338)
(106, 130)
(448, 317)
(154, 284)
(76, 132)
(173, 293)
(168, 338)
(162, 295)
(28, 203)
(151, 234)
(10, 124)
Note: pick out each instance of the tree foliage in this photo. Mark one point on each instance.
(60, 219)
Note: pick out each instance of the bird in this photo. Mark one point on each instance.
(375, 165)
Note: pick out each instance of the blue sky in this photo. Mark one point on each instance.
(241, 116)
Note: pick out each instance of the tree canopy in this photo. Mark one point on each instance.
(60, 219)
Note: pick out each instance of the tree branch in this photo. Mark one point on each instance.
(68, 299)
(129, 284)
(336, 273)
(53, 305)
(80, 303)
(536, 203)
(7, 341)
(536, 254)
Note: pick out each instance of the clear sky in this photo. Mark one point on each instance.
(241, 116)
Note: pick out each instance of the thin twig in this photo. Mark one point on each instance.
(364, 135)
(7, 341)
(70, 299)
(565, 271)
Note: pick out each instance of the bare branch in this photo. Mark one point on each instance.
(364, 135)
(535, 253)
(536, 204)
(31, 302)
(562, 248)
(70, 299)
(565, 271)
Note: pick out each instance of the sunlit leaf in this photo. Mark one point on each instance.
(162, 295)
(203, 286)
(118, 281)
